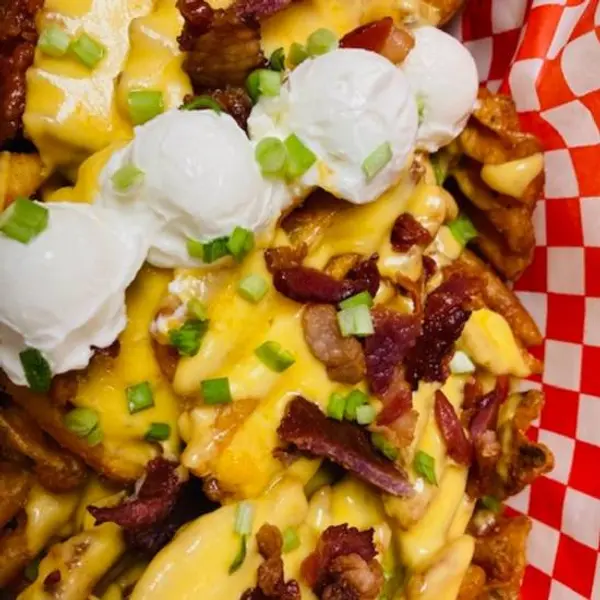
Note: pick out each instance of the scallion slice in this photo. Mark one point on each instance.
(127, 177)
(424, 465)
(81, 421)
(37, 370)
(384, 446)
(240, 557)
(244, 514)
(491, 503)
(356, 320)
(297, 54)
(214, 250)
(420, 108)
(274, 356)
(188, 337)
(139, 397)
(377, 160)
(54, 41)
(336, 406)
(263, 82)
(321, 41)
(440, 161)
(354, 399)
(291, 540)
(277, 60)
(461, 364)
(95, 436)
(144, 105)
(200, 102)
(300, 158)
(462, 229)
(197, 310)
(87, 50)
(271, 156)
(356, 300)
(24, 220)
(253, 288)
(158, 432)
(240, 243)
(216, 391)
(365, 414)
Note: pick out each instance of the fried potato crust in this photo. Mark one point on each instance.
(14, 552)
(14, 488)
(20, 175)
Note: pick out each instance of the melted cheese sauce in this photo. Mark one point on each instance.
(513, 178)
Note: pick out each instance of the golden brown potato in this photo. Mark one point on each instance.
(443, 10)
(14, 488)
(14, 552)
(20, 175)
(473, 584)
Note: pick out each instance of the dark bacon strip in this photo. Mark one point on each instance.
(407, 232)
(260, 9)
(487, 407)
(383, 37)
(446, 312)
(344, 443)
(233, 100)
(304, 284)
(458, 446)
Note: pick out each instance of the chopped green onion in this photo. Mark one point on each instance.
(144, 105)
(356, 300)
(274, 356)
(461, 363)
(336, 407)
(81, 421)
(197, 309)
(424, 465)
(384, 446)
(188, 337)
(462, 229)
(32, 569)
(291, 540)
(54, 41)
(263, 82)
(214, 250)
(356, 321)
(126, 177)
(420, 108)
(216, 391)
(37, 370)
(365, 415)
(139, 397)
(204, 101)
(271, 155)
(491, 503)
(253, 288)
(321, 41)
(297, 54)
(238, 561)
(158, 432)
(277, 60)
(95, 436)
(87, 50)
(24, 220)
(377, 160)
(240, 243)
(354, 399)
(300, 158)
(244, 513)
(440, 162)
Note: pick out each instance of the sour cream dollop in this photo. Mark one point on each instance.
(443, 75)
(343, 106)
(200, 181)
(64, 292)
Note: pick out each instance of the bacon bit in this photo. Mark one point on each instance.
(304, 284)
(234, 100)
(198, 16)
(343, 565)
(344, 443)
(486, 412)
(383, 37)
(342, 356)
(259, 9)
(397, 399)
(407, 232)
(457, 444)
(394, 336)
(285, 257)
(445, 316)
(429, 267)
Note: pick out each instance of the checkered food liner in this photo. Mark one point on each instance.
(546, 55)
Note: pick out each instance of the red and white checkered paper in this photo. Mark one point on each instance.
(546, 54)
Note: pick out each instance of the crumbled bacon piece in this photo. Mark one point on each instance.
(260, 9)
(487, 407)
(429, 267)
(397, 399)
(446, 312)
(344, 443)
(285, 257)
(457, 444)
(394, 336)
(407, 232)
(304, 284)
(383, 37)
(343, 565)
(342, 356)
(233, 100)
